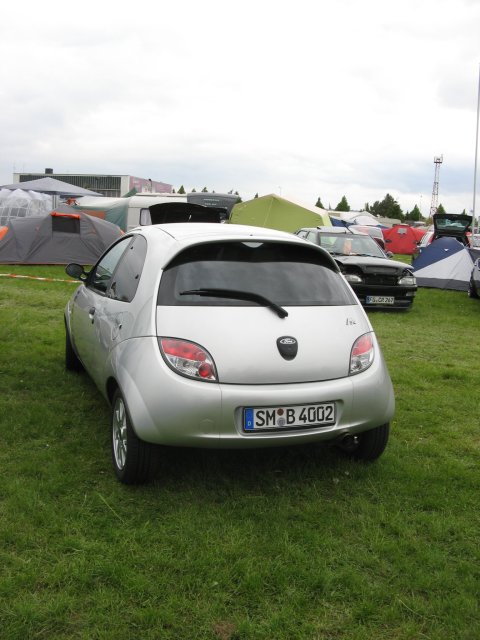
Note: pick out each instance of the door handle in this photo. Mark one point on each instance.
(91, 314)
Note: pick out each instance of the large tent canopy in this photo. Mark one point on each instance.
(274, 212)
(51, 186)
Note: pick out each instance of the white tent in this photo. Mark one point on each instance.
(23, 204)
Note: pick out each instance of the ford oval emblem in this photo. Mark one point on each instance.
(288, 347)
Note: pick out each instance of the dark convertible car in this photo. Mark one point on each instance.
(378, 281)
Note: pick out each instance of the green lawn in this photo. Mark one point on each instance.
(264, 545)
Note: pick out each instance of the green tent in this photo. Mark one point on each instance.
(275, 212)
(114, 210)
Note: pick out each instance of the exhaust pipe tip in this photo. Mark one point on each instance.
(347, 442)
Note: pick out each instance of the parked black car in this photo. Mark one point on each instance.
(378, 281)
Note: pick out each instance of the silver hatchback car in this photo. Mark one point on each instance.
(226, 336)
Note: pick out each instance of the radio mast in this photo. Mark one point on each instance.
(433, 207)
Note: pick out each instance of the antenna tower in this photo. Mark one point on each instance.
(433, 207)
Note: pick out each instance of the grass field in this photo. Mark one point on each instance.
(264, 545)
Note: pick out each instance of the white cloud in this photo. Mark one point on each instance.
(313, 99)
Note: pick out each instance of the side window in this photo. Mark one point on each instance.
(127, 275)
(312, 236)
(302, 234)
(101, 275)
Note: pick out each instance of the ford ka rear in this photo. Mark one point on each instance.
(256, 340)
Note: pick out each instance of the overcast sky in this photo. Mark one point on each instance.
(304, 98)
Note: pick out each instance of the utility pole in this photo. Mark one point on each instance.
(476, 155)
(433, 207)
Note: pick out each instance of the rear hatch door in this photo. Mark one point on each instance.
(311, 306)
(452, 226)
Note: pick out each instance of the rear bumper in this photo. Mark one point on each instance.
(169, 409)
(403, 296)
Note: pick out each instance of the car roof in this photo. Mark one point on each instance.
(175, 237)
(332, 229)
(192, 232)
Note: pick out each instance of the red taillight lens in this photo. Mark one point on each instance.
(188, 358)
(183, 349)
(205, 371)
(362, 353)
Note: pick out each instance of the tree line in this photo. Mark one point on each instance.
(386, 208)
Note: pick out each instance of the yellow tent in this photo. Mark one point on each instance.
(275, 212)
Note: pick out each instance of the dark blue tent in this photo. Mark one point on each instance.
(445, 264)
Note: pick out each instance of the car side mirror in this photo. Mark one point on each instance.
(76, 271)
(389, 254)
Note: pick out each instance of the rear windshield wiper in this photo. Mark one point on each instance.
(238, 295)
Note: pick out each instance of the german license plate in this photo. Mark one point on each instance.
(310, 415)
(380, 299)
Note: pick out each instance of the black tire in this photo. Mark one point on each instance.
(134, 461)
(369, 445)
(472, 292)
(72, 363)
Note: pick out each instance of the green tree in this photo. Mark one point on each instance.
(255, 196)
(204, 190)
(387, 208)
(414, 214)
(440, 209)
(319, 203)
(343, 205)
(181, 190)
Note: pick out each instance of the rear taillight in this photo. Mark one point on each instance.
(188, 359)
(362, 354)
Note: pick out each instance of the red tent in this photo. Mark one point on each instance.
(403, 239)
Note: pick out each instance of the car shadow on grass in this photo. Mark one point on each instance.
(252, 470)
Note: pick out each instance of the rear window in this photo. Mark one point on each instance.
(286, 274)
(453, 223)
(346, 244)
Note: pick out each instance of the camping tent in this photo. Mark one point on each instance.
(115, 210)
(445, 264)
(275, 212)
(21, 204)
(58, 238)
(52, 186)
(403, 239)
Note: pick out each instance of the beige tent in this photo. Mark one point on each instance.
(275, 212)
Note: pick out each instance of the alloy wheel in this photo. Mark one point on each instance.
(119, 433)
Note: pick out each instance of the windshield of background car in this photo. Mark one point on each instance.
(453, 223)
(350, 245)
(287, 274)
